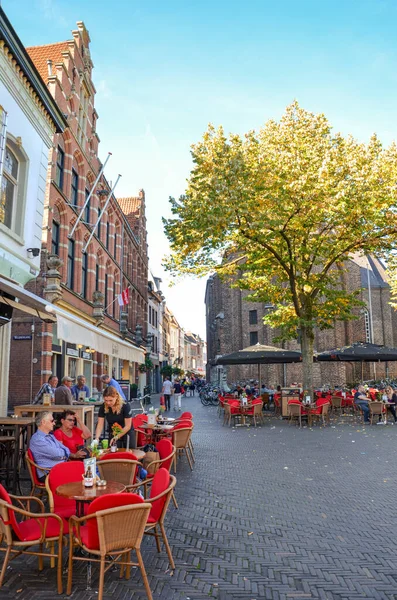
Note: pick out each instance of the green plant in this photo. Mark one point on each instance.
(148, 363)
(177, 371)
(166, 371)
(142, 368)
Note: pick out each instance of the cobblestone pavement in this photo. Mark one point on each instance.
(274, 512)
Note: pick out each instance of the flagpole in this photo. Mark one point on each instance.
(116, 298)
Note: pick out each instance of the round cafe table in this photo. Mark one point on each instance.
(76, 490)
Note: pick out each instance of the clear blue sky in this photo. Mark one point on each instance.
(164, 70)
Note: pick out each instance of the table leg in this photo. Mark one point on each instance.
(17, 433)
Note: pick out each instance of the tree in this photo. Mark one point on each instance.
(280, 211)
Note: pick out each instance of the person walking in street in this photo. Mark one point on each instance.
(47, 388)
(167, 391)
(109, 381)
(177, 395)
(80, 387)
(63, 395)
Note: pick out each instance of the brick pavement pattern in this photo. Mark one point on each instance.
(275, 512)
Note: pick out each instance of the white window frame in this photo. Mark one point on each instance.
(19, 200)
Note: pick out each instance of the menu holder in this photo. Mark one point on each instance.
(46, 399)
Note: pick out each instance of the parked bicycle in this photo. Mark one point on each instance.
(209, 396)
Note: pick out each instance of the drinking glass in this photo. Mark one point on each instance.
(105, 444)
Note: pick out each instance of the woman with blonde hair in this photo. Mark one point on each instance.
(114, 410)
(391, 397)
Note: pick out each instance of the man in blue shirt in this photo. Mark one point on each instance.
(107, 380)
(80, 387)
(46, 449)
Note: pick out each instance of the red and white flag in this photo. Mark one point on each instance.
(124, 297)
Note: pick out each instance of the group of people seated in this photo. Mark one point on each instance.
(362, 401)
(67, 393)
(51, 447)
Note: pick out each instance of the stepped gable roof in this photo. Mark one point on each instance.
(40, 55)
(375, 267)
(130, 205)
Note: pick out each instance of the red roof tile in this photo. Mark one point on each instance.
(40, 55)
(130, 205)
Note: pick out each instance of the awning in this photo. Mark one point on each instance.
(27, 302)
(74, 330)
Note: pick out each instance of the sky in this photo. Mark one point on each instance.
(164, 70)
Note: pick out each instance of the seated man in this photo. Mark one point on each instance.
(80, 387)
(361, 400)
(46, 449)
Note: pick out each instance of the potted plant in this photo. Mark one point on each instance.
(134, 390)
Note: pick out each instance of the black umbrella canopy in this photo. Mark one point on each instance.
(359, 352)
(260, 355)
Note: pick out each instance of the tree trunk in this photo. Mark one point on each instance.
(307, 342)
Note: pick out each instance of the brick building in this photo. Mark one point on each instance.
(233, 324)
(85, 264)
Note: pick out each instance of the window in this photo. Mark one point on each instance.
(84, 274)
(70, 265)
(98, 229)
(253, 338)
(60, 168)
(97, 276)
(253, 317)
(115, 246)
(55, 238)
(106, 292)
(114, 299)
(87, 208)
(107, 235)
(75, 189)
(9, 187)
(83, 110)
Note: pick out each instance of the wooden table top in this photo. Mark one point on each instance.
(157, 426)
(76, 490)
(16, 420)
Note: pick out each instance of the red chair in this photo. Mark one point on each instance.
(321, 410)
(40, 529)
(118, 455)
(186, 415)
(166, 451)
(64, 472)
(160, 495)
(142, 436)
(115, 524)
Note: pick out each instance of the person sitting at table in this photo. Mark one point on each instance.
(80, 387)
(63, 395)
(47, 388)
(361, 400)
(46, 449)
(71, 436)
(391, 397)
(115, 410)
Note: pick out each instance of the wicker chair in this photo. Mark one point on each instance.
(32, 468)
(64, 472)
(181, 438)
(121, 470)
(376, 409)
(321, 412)
(160, 495)
(112, 528)
(167, 452)
(336, 404)
(295, 411)
(256, 412)
(230, 412)
(36, 529)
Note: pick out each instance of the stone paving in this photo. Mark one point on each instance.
(275, 512)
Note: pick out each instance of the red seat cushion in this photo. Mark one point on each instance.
(160, 483)
(65, 473)
(118, 455)
(89, 533)
(30, 529)
(187, 415)
(164, 448)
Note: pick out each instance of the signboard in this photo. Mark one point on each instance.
(72, 352)
(21, 337)
(86, 355)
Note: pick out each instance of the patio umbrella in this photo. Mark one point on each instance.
(260, 355)
(359, 351)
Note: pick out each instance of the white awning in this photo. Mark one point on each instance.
(74, 330)
(27, 302)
